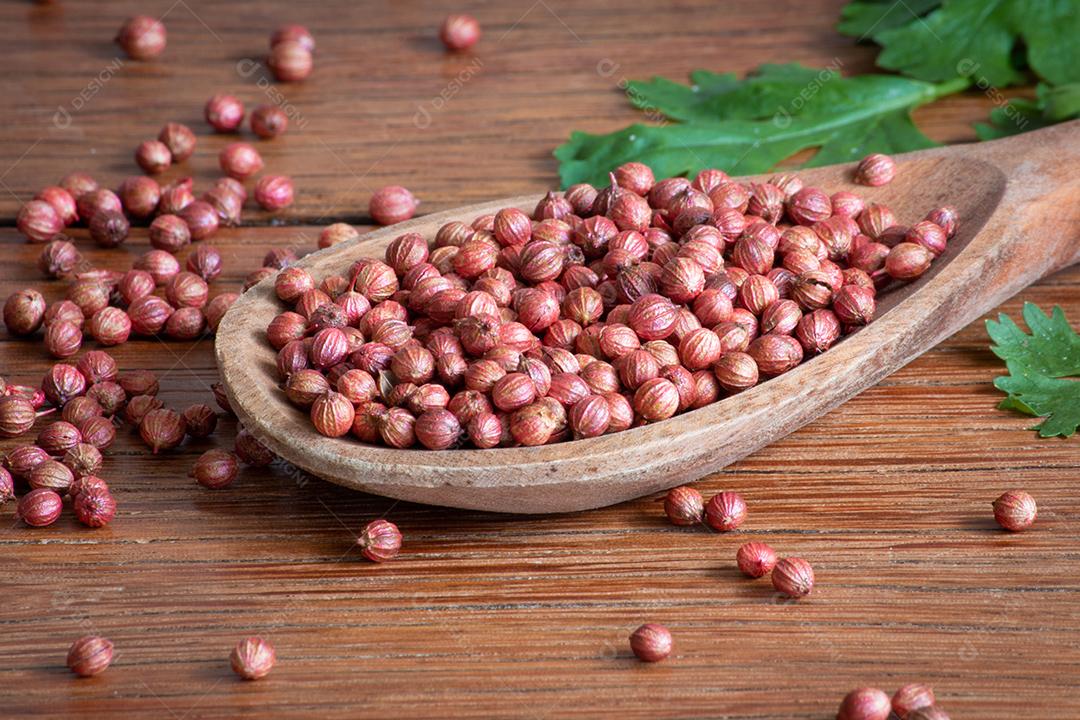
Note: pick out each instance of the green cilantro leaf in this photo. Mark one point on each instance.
(863, 18)
(981, 39)
(1040, 367)
(1051, 105)
(748, 126)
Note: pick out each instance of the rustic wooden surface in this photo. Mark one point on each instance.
(488, 615)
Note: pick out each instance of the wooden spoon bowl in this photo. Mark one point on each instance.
(1019, 210)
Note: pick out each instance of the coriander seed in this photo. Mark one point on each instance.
(252, 658)
(95, 507)
(89, 655)
(1015, 510)
(865, 704)
(756, 559)
(290, 61)
(62, 201)
(651, 642)
(240, 160)
(459, 32)
(268, 121)
(224, 113)
(875, 170)
(215, 469)
(392, 204)
(39, 507)
(274, 192)
(179, 139)
(142, 37)
(153, 157)
(911, 697)
(793, 577)
(725, 511)
(380, 541)
(684, 506)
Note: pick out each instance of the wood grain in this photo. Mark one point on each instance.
(492, 616)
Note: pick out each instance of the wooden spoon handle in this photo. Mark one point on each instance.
(1036, 228)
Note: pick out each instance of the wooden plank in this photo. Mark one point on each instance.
(384, 104)
(486, 615)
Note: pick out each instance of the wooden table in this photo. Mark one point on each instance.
(486, 615)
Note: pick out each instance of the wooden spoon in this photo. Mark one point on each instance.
(1019, 210)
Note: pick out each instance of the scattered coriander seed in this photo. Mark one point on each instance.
(228, 205)
(63, 339)
(793, 577)
(651, 642)
(96, 201)
(380, 541)
(169, 233)
(459, 32)
(23, 459)
(338, 232)
(78, 184)
(199, 420)
(7, 486)
(176, 196)
(62, 201)
(58, 437)
(251, 451)
(224, 113)
(89, 655)
(913, 696)
(1015, 510)
(85, 483)
(684, 506)
(222, 400)
(179, 139)
(153, 156)
(392, 204)
(865, 704)
(725, 511)
(17, 416)
(201, 218)
(252, 658)
(290, 61)
(756, 559)
(240, 160)
(217, 307)
(94, 507)
(24, 312)
(274, 192)
(39, 221)
(83, 459)
(215, 469)
(98, 431)
(268, 121)
(142, 37)
(161, 429)
(109, 229)
(39, 507)
(137, 284)
(81, 408)
(58, 258)
(205, 261)
(139, 195)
